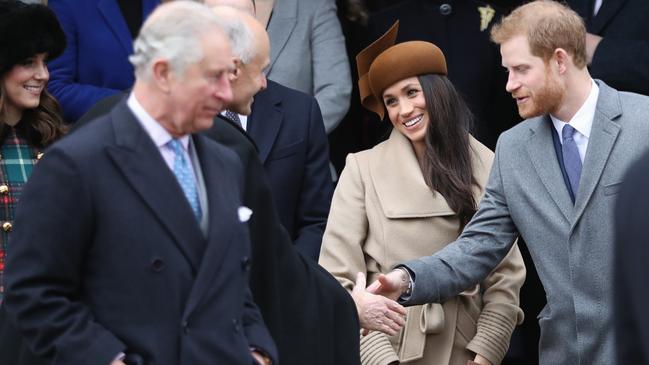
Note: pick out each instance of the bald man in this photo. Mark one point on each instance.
(286, 125)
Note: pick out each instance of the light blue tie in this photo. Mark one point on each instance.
(185, 177)
(571, 159)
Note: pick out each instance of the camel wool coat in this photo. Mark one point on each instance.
(383, 213)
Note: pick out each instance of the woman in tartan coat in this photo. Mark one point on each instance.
(29, 121)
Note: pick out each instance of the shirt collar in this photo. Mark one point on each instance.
(582, 121)
(158, 134)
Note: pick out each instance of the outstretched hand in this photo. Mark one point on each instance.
(390, 285)
(376, 312)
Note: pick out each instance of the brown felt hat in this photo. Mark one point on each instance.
(383, 63)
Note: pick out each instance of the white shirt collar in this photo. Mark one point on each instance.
(158, 134)
(582, 121)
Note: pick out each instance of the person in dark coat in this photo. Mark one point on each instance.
(309, 315)
(630, 269)
(617, 42)
(142, 257)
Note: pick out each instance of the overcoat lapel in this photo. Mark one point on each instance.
(540, 149)
(265, 122)
(137, 157)
(281, 25)
(109, 9)
(605, 14)
(222, 217)
(602, 139)
(395, 172)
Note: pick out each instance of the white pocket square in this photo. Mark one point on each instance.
(244, 213)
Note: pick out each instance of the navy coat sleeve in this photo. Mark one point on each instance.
(316, 190)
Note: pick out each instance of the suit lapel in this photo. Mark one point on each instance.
(265, 121)
(602, 139)
(109, 9)
(605, 14)
(222, 216)
(280, 27)
(137, 157)
(540, 149)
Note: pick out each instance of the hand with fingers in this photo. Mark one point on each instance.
(376, 312)
(391, 285)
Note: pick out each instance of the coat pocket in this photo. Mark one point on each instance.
(285, 151)
(612, 189)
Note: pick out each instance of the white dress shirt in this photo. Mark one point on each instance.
(598, 5)
(159, 135)
(582, 121)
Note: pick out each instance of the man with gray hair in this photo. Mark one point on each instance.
(143, 256)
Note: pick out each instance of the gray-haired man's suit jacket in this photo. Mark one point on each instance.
(571, 245)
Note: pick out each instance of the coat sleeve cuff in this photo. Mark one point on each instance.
(376, 349)
(493, 335)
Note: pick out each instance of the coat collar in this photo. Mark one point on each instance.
(606, 128)
(266, 119)
(399, 182)
(602, 139)
(144, 168)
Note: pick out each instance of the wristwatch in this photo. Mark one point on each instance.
(408, 290)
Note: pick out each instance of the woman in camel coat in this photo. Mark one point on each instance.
(410, 196)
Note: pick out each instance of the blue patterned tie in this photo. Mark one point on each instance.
(185, 177)
(571, 159)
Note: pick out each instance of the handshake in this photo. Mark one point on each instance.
(376, 305)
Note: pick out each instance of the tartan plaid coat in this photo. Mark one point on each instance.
(17, 159)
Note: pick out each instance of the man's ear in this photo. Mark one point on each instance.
(561, 58)
(161, 74)
(236, 71)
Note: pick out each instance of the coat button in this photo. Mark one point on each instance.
(4, 189)
(245, 263)
(7, 226)
(157, 264)
(445, 9)
(185, 326)
(235, 323)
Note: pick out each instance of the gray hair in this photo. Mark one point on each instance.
(173, 32)
(240, 36)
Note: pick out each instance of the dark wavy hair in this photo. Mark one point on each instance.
(40, 126)
(446, 164)
(28, 30)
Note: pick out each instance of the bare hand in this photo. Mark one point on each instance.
(592, 41)
(376, 312)
(481, 360)
(259, 358)
(391, 285)
(117, 362)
